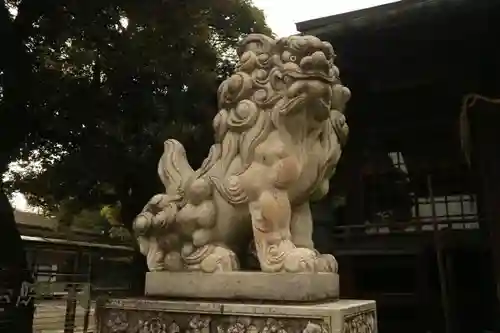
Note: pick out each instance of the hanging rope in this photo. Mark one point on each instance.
(469, 101)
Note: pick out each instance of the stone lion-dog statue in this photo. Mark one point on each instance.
(279, 134)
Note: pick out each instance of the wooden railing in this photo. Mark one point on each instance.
(412, 227)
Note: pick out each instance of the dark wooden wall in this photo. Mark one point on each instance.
(408, 76)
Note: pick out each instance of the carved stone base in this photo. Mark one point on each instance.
(244, 286)
(158, 316)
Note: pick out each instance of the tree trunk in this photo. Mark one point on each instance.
(17, 310)
(16, 316)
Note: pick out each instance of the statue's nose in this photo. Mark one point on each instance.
(319, 59)
(315, 62)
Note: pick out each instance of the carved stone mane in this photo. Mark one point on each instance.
(278, 134)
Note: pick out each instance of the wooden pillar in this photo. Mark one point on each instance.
(88, 304)
(347, 278)
(423, 290)
(355, 193)
(69, 318)
(441, 257)
(452, 290)
(484, 121)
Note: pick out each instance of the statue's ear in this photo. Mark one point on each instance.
(328, 50)
(280, 45)
(255, 42)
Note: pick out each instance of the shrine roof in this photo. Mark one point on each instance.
(391, 14)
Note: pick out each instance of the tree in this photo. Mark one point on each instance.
(90, 90)
(114, 80)
(16, 79)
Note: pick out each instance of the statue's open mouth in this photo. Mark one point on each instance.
(320, 106)
(319, 76)
(311, 90)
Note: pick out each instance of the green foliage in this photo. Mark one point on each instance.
(89, 220)
(112, 214)
(105, 83)
(120, 233)
(104, 221)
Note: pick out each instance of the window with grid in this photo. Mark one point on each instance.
(389, 193)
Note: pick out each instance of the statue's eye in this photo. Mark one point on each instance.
(293, 58)
(286, 56)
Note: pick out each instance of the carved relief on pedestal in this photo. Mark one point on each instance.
(130, 321)
(157, 325)
(199, 324)
(360, 323)
(116, 321)
(233, 324)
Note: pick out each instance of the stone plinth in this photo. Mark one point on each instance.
(244, 286)
(161, 316)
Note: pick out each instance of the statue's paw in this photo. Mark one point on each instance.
(157, 267)
(173, 262)
(326, 263)
(221, 259)
(155, 260)
(300, 260)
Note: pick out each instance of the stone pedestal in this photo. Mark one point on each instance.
(238, 302)
(161, 316)
(244, 286)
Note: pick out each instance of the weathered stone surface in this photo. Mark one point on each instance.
(244, 285)
(155, 316)
(279, 135)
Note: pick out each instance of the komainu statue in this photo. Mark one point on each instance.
(279, 134)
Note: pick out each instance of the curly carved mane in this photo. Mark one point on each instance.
(248, 99)
(244, 99)
(252, 103)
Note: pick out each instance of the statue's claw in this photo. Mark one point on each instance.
(221, 260)
(300, 260)
(306, 260)
(326, 263)
(212, 258)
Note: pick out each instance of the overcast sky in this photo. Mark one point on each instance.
(282, 15)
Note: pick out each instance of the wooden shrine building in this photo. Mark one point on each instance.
(415, 200)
